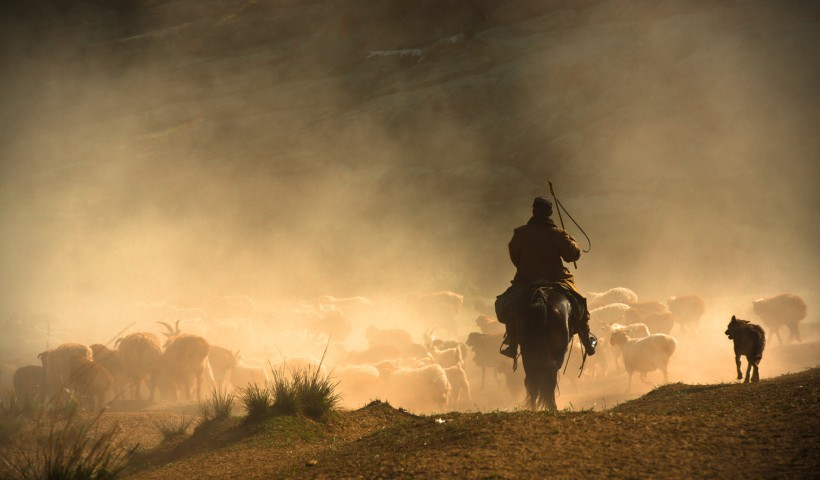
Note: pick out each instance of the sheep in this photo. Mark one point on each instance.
(222, 361)
(431, 342)
(110, 360)
(485, 352)
(90, 381)
(609, 314)
(332, 323)
(459, 385)
(646, 354)
(357, 384)
(648, 307)
(749, 340)
(658, 322)
(243, 375)
(28, 383)
(446, 358)
(57, 364)
(786, 309)
(396, 337)
(613, 295)
(140, 356)
(489, 325)
(422, 389)
(635, 330)
(688, 310)
(185, 356)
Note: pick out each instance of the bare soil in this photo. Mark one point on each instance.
(764, 430)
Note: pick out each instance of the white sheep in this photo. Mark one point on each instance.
(357, 384)
(609, 314)
(646, 354)
(424, 389)
(635, 330)
(450, 357)
(785, 309)
(459, 385)
(613, 295)
(394, 337)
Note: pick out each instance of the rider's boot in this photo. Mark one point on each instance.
(588, 339)
(510, 344)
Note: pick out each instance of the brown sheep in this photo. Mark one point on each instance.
(90, 381)
(28, 383)
(140, 356)
(786, 309)
(57, 364)
(185, 357)
(749, 340)
(222, 361)
(688, 310)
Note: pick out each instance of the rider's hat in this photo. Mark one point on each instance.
(542, 202)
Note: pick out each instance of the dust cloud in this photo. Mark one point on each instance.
(157, 158)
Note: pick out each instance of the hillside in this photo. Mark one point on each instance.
(765, 430)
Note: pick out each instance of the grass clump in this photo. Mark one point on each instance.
(258, 401)
(315, 392)
(302, 391)
(219, 406)
(173, 428)
(67, 445)
(284, 399)
(11, 417)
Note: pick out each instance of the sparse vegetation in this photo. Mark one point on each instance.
(219, 406)
(315, 393)
(257, 400)
(305, 392)
(66, 445)
(285, 401)
(174, 428)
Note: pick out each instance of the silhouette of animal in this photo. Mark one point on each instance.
(786, 309)
(749, 340)
(543, 327)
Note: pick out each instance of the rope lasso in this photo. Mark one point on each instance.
(561, 207)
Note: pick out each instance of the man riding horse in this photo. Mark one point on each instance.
(537, 250)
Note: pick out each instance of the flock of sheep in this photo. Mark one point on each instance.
(433, 374)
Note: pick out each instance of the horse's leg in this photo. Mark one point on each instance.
(748, 369)
(755, 374)
(629, 383)
(737, 363)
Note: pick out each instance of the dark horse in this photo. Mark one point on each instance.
(543, 327)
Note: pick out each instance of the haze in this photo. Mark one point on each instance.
(174, 153)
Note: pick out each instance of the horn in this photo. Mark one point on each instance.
(176, 326)
(170, 330)
(117, 342)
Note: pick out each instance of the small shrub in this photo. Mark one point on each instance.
(285, 401)
(316, 393)
(173, 428)
(67, 446)
(219, 406)
(257, 400)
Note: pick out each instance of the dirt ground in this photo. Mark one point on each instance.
(727, 430)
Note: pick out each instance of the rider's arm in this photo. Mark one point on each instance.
(570, 251)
